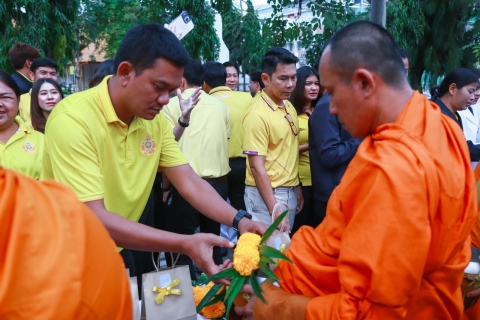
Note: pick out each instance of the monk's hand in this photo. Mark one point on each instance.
(187, 105)
(200, 249)
(247, 225)
(300, 200)
(247, 311)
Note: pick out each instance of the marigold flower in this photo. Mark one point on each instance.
(246, 256)
(216, 310)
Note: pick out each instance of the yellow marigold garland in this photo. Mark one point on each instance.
(246, 256)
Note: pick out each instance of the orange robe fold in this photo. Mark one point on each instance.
(57, 260)
(395, 240)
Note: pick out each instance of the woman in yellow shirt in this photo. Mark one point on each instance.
(304, 97)
(21, 148)
(46, 93)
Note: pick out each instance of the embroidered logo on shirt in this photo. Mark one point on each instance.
(148, 145)
(29, 147)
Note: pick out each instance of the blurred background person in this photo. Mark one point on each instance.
(101, 71)
(304, 97)
(232, 74)
(21, 56)
(21, 148)
(46, 93)
(256, 84)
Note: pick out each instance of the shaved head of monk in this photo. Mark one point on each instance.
(362, 70)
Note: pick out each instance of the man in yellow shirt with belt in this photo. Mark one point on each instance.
(271, 141)
(205, 145)
(108, 142)
(39, 69)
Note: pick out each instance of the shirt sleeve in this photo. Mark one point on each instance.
(171, 155)
(256, 132)
(71, 157)
(172, 112)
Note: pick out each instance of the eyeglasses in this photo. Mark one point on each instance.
(290, 122)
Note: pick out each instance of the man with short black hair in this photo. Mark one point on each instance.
(39, 69)
(271, 141)
(108, 142)
(256, 84)
(21, 56)
(232, 75)
(205, 145)
(395, 241)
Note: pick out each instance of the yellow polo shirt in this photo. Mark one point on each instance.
(205, 141)
(23, 152)
(90, 149)
(304, 158)
(24, 108)
(268, 133)
(238, 104)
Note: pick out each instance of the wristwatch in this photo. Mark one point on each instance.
(165, 189)
(183, 124)
(240, 214)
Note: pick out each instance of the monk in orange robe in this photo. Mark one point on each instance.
(57, 260)
(395, 240)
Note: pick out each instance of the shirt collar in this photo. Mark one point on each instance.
(220, 89)
(24, 76)
(271, 103)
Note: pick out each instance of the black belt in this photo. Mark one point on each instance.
(216, 180)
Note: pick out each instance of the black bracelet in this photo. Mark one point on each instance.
(183, 124)
(169, 188)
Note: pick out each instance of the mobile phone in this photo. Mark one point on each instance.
(181, 25)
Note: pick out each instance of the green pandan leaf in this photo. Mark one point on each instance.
(265, 269)
(264, 258)
(273, 226)
(256, 288)
(272, 253)
(206, 301)
(227, 273)
(233, 290)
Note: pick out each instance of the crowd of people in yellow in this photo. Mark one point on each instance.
(379, 180)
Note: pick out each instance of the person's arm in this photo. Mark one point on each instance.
(328, 143)
(262, 180)
(186, 108)
(302, 148)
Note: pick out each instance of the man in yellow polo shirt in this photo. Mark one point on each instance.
(39, 69)
(107, 143)
(271, 141)
(205, 145)
(256, 84)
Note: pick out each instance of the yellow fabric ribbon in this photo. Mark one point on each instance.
(168, 290)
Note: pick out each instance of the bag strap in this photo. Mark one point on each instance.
(282, 224)
(156, 264)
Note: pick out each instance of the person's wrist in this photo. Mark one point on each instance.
(183, 123)
(185, 119)
(165, 189)
(240, 218)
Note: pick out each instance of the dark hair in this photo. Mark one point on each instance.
(215, 74)
(43, 62)
(366, 44)
(38, 118)
(20, 52)
(145, 43)
(404, 54)
(101, 71)
(297, 98)
(231, 64)
(460, 77)
(257, 77)
(434, 91)
(475, 71)
(276, 56)
(194, 73)
(8, 80)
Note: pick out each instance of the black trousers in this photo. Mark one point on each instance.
(185, 219)
(140, 262)
(320, 210)
(305, 217)
(236, 182)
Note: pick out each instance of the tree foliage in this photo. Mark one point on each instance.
(45, 24)
(436, 33)
(328, 17)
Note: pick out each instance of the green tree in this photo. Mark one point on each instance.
(328, 17)
(436, 33)
(253, 47)
(47, 25)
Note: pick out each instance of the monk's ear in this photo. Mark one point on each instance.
(364, 80)
(125, 72)
(452, 88)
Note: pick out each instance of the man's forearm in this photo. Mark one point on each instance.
(264, 187)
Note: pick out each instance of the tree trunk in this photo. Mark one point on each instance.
(378, 12)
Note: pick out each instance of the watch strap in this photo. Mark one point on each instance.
(183, 124)
(240, 214)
